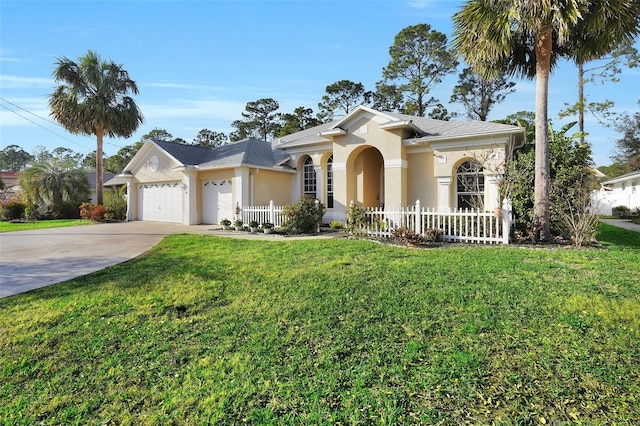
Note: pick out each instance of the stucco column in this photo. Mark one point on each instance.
(491, 192)
(444, 193)
(340, 202)
(241, 186)
(190, 197)
(320, 184)
(395, 183)
(132, 197)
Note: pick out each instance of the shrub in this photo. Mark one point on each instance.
(98, 212)
(303, 217)
(433, 235)
(14, 209)
(336, 224)
(267, 225)
(570, 191)
(621, 211)
(356, 218)
(406, 235)
(85, 210)
(116, 205)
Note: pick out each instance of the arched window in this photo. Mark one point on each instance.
(309, 178)
(470, 185)
(330, 182)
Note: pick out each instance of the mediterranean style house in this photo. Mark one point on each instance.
(371, 158)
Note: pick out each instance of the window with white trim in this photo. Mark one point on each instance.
(470, 185)
(309, 178)
(330, 182)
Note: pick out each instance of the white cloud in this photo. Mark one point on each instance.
(19, 82)
(201, 110)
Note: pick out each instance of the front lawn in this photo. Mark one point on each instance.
(206, 330)
(41, 224)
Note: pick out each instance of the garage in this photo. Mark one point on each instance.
(217, 201)
(160, 202)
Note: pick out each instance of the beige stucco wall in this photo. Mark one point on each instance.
(164, 173)
(271, 185)
(421, 183)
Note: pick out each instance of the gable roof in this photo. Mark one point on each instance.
(425, 129)
(623, 178)
(247, 152)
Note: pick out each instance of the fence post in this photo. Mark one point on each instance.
(417, 219)
(506, 220)
(272, 213)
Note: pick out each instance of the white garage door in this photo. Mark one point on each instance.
(216, 201)
(160, 202)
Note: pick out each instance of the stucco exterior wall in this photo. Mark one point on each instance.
(164, 172)
(272, 185)
(421, 182)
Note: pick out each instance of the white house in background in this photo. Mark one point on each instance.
(373, 158)
(620, 191)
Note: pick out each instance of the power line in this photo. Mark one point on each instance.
(45, 119)
(42, 127)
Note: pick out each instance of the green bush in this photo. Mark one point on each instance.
(66, 210)
(571, 186)
(116, 204)
(356, 218)
(303, 217)
(336, 224)
(621, 211)
(13, 210)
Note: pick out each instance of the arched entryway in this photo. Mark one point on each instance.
(365, 177)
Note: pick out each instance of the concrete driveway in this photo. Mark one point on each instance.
(38, 258)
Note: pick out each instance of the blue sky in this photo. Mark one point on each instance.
(197, 63)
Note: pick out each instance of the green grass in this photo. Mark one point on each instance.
(205, 330)
(41, 224)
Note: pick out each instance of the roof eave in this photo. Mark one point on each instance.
(432, 139)
(333, 132)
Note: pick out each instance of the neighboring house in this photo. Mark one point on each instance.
(372, 158)
(91, 178)
(620, 191)
(11, 185)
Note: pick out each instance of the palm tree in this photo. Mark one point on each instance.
(526, 37)
(51, 183)
(92, 99)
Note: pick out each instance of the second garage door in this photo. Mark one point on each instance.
(216, 201)
(160, 202)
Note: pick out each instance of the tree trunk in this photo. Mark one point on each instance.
(581, 101)
(541, 229)
(99, 166)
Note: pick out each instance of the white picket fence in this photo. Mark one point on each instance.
(468, 225)
(262, 214)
